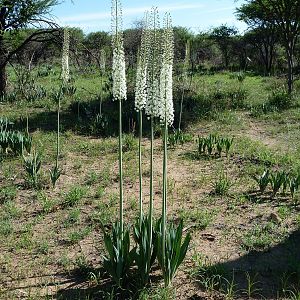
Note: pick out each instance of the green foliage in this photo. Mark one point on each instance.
(175, 250)
(54, 175)
(32, 164)
(294, 184)
(214, 144)
(178, 138)
(68, 90)
(15, 141)
(8, 193)
(222, 185)
(212, 276)
(200, 218)
(73, 197)
(278, 180)
(280, 99)
(48, 204)
(262, 180)
(6, 228)
(239, 76)
(76, 236)
(262, 236)
(120, 257)
(72, 218)
(129, 142)
(45, 71)
(146, 250)
(99, 125)
(9, 97)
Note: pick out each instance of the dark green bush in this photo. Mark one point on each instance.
(281, 99)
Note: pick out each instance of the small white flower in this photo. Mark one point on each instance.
(65, 73)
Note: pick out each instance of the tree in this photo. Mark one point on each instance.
(223, 36)
(284, 15)
(16, 15)
(181, 36)
(264, 41)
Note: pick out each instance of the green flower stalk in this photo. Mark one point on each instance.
(119, 83)
(65, 76)
(140, 100)
(170, 249)
(117, 243)
(166, 111)
(153, 94)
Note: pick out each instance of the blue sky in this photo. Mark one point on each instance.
(198, 15)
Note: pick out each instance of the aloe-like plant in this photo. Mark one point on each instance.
(54, 175)
(228, 144)
(4, 141)
(146, 250)
(174, 251)
(214, 144)
(32, 165)
(277, 179)
(178, 138)
(120, 257)
(262, 180)
(294, 184)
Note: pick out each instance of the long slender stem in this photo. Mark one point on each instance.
(151, 172)
(101, 95)
(164, 204)
(151, 190)
(181, 108)
(140, 163)
(58, 132)
(121, 166)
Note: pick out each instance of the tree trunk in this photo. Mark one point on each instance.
(3, 77)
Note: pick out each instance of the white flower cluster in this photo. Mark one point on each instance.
(165, 106)
(141, 92)
(154, 82)
(166, 109)
(154, 63)
(65, 72)
(118, 65)
(119, 75)
(141, 86)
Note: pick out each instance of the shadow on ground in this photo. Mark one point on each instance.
(271, 272)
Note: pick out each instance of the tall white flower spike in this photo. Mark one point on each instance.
(65, 73)
(154, 63)
(118, 66)
(165, 106)
(142, 68)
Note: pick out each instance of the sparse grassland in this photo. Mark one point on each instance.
(245, 242)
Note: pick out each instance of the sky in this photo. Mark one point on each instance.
(197, 15)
